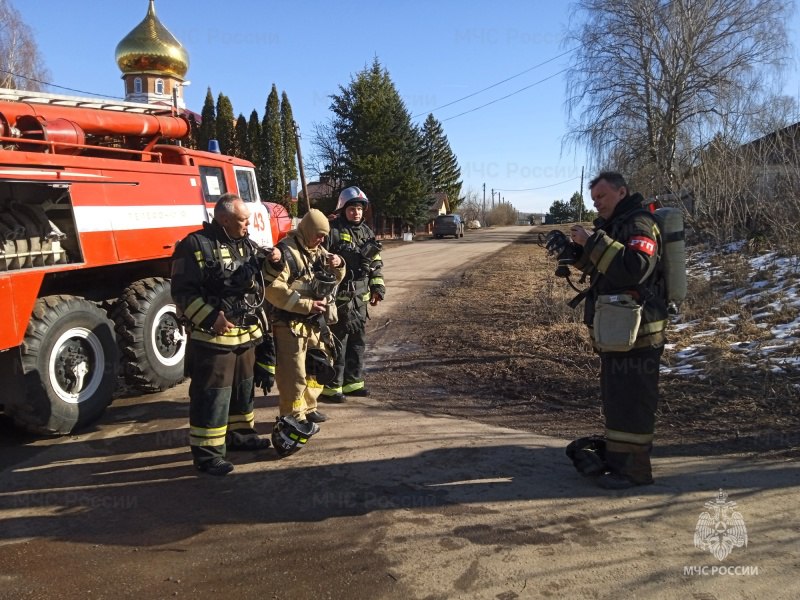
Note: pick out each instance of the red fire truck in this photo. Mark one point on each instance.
(91, 207)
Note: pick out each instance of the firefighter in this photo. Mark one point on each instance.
(354, 241)
(216, 289)
(301, 295)
(622, 257)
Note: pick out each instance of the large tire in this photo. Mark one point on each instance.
(69, 362)
(152, 340)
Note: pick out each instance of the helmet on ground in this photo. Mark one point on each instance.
(351, 195)
(588, 454)
(289, 435)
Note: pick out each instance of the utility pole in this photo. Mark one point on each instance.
(580, 208)
(483, 208)
(492, 197)
(302, 170)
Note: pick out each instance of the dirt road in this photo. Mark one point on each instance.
(383, 503)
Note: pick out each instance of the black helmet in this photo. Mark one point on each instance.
(588, 454)
(319, 366)
(322, 284)
(289, 435)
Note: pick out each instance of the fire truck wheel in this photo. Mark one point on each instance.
(152, 341)
(69, 362)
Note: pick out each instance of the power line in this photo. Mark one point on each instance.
(542, 187)
(527, 87)
(496, 84)
(61, 87)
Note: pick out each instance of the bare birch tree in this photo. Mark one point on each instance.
(648, 75)
(21, 65)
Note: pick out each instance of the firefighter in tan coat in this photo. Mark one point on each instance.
(302, 294)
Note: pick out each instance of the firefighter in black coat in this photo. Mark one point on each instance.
(622, 257)
(354, 241)
(217, 290)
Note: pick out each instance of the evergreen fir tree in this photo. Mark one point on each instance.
(441, 165)
(208, 124)
(289, 145)
(254, 137)
(225, 125)
(272, 182)
(242, 137)
(382, 149)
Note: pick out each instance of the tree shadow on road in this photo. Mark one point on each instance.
(140, 490)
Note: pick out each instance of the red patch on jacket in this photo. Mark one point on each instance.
(642, 244)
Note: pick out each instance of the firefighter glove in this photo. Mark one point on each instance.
(263, 376)
(264, 368)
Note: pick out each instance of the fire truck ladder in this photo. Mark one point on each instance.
(79, 102)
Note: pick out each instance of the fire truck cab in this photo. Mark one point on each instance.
(91, 207)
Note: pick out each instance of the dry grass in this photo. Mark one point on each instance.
(500, 345)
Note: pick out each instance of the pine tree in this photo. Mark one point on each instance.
(289, 145)
(242, 146)
(208, 124)
(441, 165)
(272, 182)
(382, 149)
(254, 136)
(225, 125)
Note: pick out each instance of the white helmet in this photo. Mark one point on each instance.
(351, 195)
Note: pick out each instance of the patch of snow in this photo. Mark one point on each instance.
(773, 289)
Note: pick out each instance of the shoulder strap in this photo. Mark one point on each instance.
(295, 270)
(645, 287)
(207, 246)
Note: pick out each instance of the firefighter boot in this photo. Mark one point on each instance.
(336, 398)
(332, 395)
(363, 392)
(316, 416)
(626, 470)
(217, 466)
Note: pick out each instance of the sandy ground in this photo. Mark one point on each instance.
(385, 502)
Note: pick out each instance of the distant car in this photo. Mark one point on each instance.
(448, 225)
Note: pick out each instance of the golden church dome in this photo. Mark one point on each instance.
(150, 47)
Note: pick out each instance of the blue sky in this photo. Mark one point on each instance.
(436, 52)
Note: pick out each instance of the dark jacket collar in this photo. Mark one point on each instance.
(343, 222)
(629, 203)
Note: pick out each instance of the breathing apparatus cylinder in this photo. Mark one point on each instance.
(673, 256)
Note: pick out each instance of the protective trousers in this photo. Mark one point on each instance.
(629, 391)
(220, 397)
(350, 363)
(297, 392)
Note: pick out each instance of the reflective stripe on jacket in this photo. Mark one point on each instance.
(346, 240)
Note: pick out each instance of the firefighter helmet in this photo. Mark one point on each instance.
(588, 454)
(319, 366)
(351, 195)
(289, 435)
